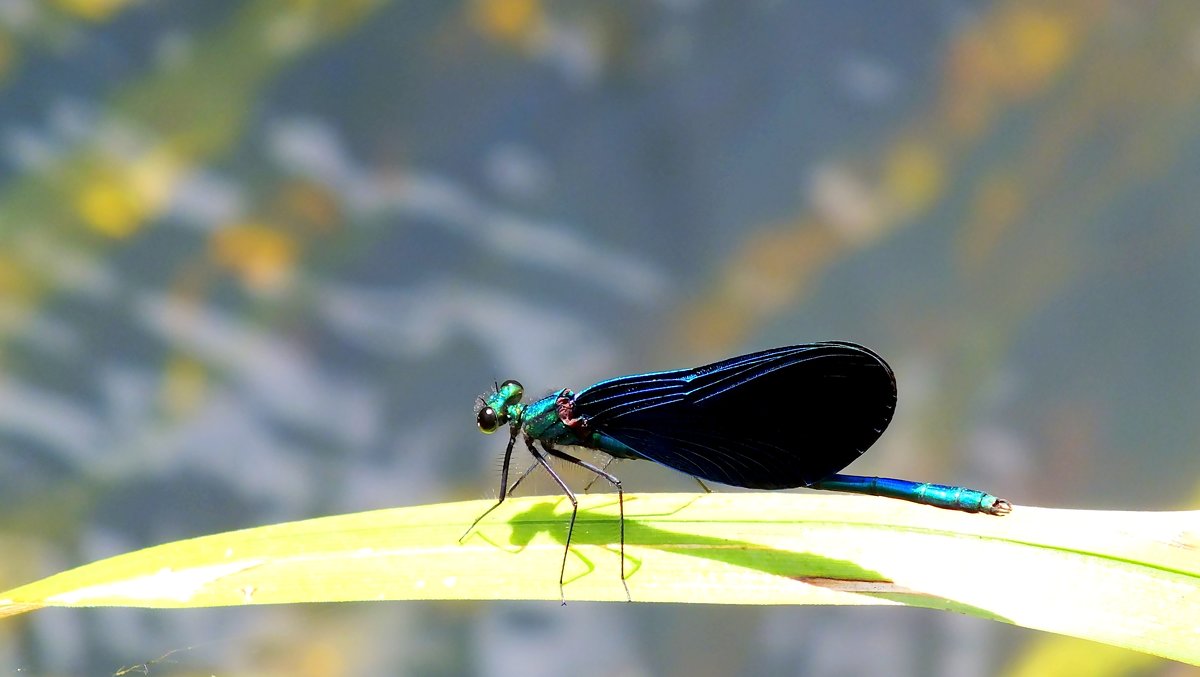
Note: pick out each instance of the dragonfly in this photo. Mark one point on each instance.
(780, 418)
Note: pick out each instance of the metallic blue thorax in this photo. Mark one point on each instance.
(543, 423)
(540, 421)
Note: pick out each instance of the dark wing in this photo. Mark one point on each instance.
(784, 417)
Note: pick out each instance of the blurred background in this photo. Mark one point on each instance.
(258, 258)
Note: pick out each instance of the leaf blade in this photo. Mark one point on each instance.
(1124, 578)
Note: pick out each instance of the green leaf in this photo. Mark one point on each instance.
(1130, 579)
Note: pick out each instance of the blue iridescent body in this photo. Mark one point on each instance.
(541, 421)
(780, 418)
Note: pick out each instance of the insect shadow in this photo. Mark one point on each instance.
(591, 528)
(601, 529)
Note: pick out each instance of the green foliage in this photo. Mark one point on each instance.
(1128, 579)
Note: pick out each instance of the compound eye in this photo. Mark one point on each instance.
(517, 389)
(488, 420)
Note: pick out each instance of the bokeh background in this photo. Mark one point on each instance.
(258, 258)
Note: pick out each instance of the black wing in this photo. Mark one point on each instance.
(784, 417)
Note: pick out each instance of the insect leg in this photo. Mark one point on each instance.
(592, 481)
(612, 479)
(512, 438)
(574, 512)
(513, 487)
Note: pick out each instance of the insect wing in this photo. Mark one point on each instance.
(784, 417)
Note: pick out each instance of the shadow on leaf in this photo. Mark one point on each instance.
(602, 529)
